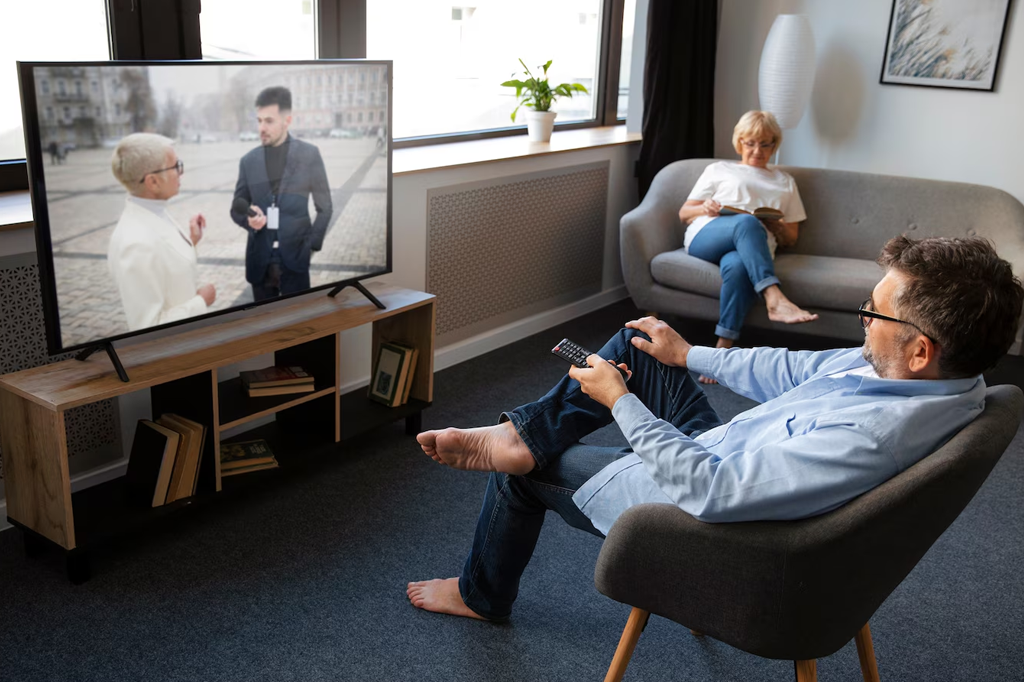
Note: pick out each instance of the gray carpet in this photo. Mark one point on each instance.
(306, 580)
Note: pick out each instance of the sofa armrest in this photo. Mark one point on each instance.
(651, 228)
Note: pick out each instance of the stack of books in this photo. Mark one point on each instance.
(164, 463)
(393, 373)
(276, 381)
(245, 456)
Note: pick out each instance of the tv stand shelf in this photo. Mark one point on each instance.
(181, 373)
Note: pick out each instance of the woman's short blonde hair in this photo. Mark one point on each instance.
(136, 155)
(754, 124)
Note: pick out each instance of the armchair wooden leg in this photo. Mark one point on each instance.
(634, 626)
(806, 671)
(866, 653)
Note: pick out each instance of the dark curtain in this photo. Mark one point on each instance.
(679, 85)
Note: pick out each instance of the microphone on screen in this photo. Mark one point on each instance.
(240, 205)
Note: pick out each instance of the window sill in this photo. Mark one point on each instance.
(16, 207)
(453, 154)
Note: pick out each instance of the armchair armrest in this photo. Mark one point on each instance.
(651, 228)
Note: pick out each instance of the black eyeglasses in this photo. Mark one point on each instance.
(866, 316)
(180, 167)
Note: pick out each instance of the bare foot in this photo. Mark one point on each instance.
(722, 343)
(487, 448)
(440, 596)
(781, 309)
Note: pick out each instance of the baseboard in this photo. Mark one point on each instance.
(444, 358)
(485, 342)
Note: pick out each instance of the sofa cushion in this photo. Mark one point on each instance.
(813, 281)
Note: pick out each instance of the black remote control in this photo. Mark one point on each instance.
(576, 354)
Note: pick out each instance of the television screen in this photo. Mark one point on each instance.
(165, 192)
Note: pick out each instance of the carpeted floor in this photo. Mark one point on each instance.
(306, 580)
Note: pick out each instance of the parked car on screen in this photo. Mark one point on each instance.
(344, 133)
(248, 136)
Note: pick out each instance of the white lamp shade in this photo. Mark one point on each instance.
(786, 75)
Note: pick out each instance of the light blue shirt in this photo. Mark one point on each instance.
(826, 432)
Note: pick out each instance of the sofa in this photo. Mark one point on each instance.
(831, 269)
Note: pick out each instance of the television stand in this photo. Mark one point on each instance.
(363, 290)
(109, 347)
(181, 373)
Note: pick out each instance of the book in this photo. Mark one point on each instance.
(413, 359)
(245, 454)
(275, 376)
(280, 390)
(247, 469)
(190, 448)
(389, 372)
(762, 213)
(150, 464)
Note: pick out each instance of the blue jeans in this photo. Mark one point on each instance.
(738, 245)
(514, 506)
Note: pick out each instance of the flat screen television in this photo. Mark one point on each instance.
(157, 187)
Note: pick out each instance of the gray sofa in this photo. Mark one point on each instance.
(831, 269)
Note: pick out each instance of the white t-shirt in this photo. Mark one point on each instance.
(731, 183)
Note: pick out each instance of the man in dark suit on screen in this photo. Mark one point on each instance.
(271, 201)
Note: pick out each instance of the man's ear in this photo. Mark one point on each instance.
(923, 355)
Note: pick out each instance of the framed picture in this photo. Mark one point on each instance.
(945, 43)
(387, 374)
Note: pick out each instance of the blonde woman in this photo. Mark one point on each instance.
(740, 244)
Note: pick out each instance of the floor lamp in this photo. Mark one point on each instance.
(786, 75)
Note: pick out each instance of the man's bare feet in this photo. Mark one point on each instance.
(722, 343)
(487, 448)
(440, 596)
(781, 309)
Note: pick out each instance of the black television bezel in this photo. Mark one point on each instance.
(37, 190)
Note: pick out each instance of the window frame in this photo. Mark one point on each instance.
(158, 29)
(341, 33)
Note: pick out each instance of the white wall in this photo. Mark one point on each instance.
(855, 123)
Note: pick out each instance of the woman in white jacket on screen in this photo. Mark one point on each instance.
(153, 261)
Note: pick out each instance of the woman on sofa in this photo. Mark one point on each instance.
(740, 244)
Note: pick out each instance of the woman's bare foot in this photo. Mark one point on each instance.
(487, 448)
(722, 343)
(781, 309)
(440, 596)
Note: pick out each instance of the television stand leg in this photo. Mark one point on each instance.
(363, 290)
(414, 423)
(109, 347)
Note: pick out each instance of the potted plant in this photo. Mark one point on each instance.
(538, 95)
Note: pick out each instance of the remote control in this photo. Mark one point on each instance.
(577, 355)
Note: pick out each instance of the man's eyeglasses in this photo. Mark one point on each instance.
(866, 315)
(180, 167)
(751, 144)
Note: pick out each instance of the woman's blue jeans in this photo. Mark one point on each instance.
(514, 506)
(738, 244)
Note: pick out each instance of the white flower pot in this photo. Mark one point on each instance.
(539, 125)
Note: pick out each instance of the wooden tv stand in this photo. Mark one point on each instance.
(181, 372)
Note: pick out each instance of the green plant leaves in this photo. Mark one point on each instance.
(539, 95)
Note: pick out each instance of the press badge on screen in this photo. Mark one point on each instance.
(273, 217)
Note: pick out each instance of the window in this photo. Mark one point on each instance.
(625, 62)
(57, 30)
(257, 29)
(472, 52)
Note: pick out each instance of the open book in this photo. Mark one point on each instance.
(762, 213)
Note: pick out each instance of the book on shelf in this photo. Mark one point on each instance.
(762, 213)
(150, 464)
(274, 376)
(245, 456)
(280, 390)
(185, 477)
(413, 359)
(392, 373)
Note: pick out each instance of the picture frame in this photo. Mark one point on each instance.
(945, 43)
(385, 382)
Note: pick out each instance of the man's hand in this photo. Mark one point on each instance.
(666, 346)
(601, 381)
(258, 221)
(208, 292)
(196, 227)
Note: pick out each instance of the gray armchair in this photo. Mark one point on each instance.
(798, 590)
